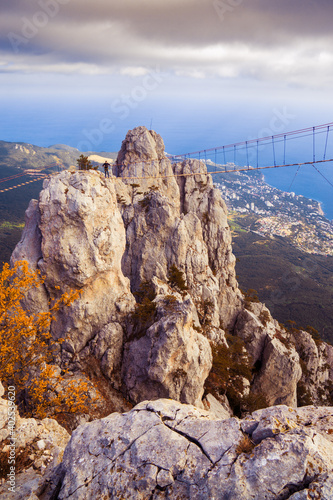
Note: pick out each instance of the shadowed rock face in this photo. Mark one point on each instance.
(172, 359)
(163, 449)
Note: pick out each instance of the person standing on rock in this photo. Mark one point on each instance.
(106, 168)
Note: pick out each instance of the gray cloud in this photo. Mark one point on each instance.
(193, 21)
(258, 38)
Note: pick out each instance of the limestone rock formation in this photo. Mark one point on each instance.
(198, 196)
(102, 236)
(271, 348)
(83, 240)
(294, 368)
(141, 161)
(172, 359)
(177, 220)
(81, 245)
(163, 449)
(111, 238)
(160, 315)
(316, 358)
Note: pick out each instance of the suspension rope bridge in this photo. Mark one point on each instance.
(23, 183)
(38, 175)
(12, 177)
(272, 140)
(255, 154)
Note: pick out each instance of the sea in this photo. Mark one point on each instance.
(185, 128)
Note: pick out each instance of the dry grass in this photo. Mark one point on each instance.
(245, 445)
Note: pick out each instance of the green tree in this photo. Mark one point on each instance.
(84, 163)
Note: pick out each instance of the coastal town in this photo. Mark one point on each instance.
(275, 213)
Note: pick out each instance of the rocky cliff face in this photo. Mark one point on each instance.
(177, 219)
(150, 251)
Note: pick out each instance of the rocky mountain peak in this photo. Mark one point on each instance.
(160, 311)
(141, 145)
(142, 163)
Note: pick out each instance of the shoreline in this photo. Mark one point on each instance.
(320, 209)
(320, 203)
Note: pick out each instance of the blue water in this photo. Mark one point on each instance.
(185, 125)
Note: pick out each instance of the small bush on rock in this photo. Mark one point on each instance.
(250, 296)
(314, 334)
(22, 459)
(253, 402)
(144, 203)
(204, 309)
(85, 164)
(176, 279)
(145, 310)
(264, 317)
(304, 397)
(285, 340)
(170, 303)
(231, 368)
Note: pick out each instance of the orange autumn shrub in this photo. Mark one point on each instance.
(26, 349)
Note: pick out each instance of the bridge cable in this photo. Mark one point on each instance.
(327, 180)
(299, 166)
(328, 130)
(239, 169)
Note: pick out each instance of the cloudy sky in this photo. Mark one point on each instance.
(165, 61)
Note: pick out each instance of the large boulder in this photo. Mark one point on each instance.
(279, 359)
(163, 449)
(273, 353)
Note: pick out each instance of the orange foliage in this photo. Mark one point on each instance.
(26, 348)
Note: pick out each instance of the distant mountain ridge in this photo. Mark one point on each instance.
(23, 155)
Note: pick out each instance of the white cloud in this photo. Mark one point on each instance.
(134, 71)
